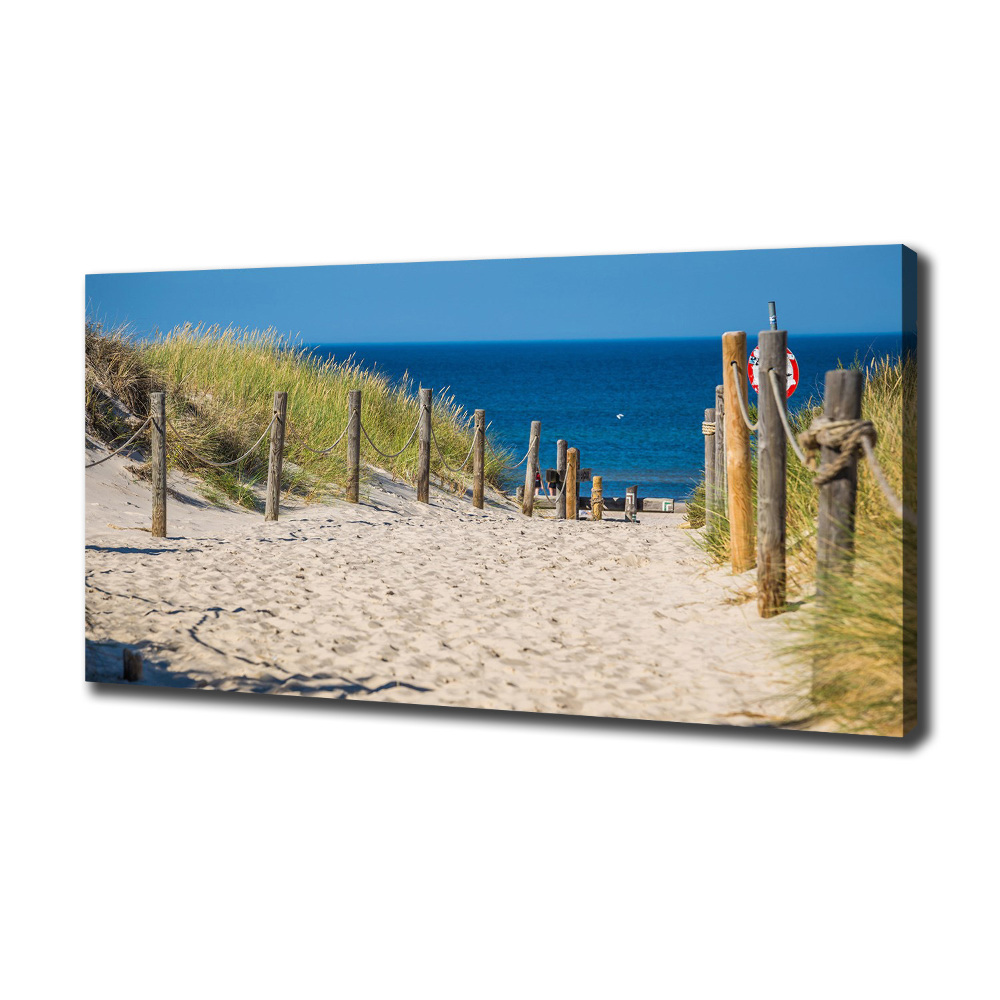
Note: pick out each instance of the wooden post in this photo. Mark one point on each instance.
(597, 499)
(720, 452)
(131, 665)
(158, 460)
(561, 469)
(838, 498)
(734, 348)
(709, 469)
(424, 448)
(274, 457)
(572, 483)
(772, 452)
(531, 468)
(479, 459)
(519, 494)
(632, 504)
(353, 445)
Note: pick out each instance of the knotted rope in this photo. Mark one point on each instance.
(843, 436)
(707, 427)
(847, 437)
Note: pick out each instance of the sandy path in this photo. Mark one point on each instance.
(398, 601)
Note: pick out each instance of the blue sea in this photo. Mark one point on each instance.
(577, 389)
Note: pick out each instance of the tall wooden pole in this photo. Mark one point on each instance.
(561, 469)
(531, 468)
(353, 445)
(274, 457)
(721, 479)
(838, 498)
(710, 502)
(572, 482)
(158, 459)
(479, 459)
(738, 472)
(424, 448)
(772, 452)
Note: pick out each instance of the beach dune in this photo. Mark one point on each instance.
(439, 604)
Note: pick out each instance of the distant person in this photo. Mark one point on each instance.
(539, 485)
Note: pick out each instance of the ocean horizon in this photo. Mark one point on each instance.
(632, 406)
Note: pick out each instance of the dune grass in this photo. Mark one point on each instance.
(220, 386)
(861, 636)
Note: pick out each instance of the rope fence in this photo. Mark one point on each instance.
(118, 451)
(423, 430)
(830, 449)
(221, 465)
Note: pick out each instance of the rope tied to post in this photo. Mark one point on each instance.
(707, 427)
(139, 430)
(394, 454)
(326, 451)
(843, 436)
(848, 437)
(444, 461)
(738, 385)
(221, 465)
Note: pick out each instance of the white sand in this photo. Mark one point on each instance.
(393, 600)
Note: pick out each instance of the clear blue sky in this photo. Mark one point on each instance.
(817, 290)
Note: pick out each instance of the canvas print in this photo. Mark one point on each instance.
(676, 487)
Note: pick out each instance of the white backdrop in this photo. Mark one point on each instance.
(183, 845)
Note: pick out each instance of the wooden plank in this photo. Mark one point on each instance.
(479, 459)
(531, 468)
(838, 498)
(771, 472)
(424, 448)
(158, 461)
(353, 445)
(738, 469)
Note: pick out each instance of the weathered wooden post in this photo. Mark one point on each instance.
(572, 482)
(838, 498)
(531, 468)
(479, 459)
(158, 460)
(274, 457)
(720, 451)
(561, 469)
(738, 472)
(519, 494)
(597, 499)
(353, 444)
(424, 448)
(772, 452)
(708, 429)
(131, 665)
